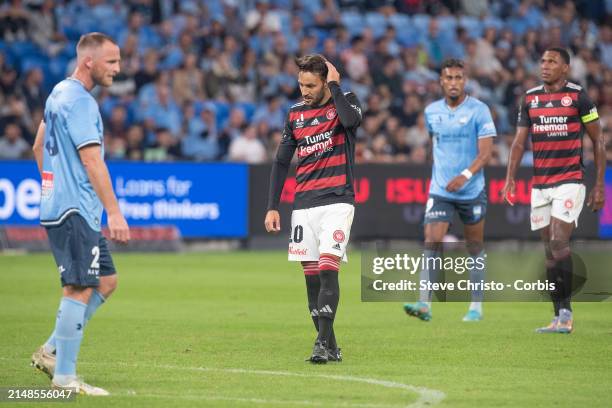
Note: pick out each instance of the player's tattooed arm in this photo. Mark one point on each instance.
(596, 197)
(514, 160)
(38, 146)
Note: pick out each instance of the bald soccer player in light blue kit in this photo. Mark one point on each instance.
(76, 186)
(462, 132)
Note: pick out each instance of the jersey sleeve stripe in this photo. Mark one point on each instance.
(88, 143)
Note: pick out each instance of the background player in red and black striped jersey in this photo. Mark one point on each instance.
(555, 115)
(322, 129)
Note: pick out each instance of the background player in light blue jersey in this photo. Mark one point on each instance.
(76, 186)
(462, 132)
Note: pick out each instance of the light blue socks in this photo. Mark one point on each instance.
(68, 336)
(95, 301)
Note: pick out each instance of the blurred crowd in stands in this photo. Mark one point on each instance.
(213, 79)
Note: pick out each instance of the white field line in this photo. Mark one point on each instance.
(426, 397)
(263, 401)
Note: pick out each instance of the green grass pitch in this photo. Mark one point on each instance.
(233, 330)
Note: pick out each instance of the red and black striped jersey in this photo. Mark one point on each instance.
(324, 138)
(555, 121)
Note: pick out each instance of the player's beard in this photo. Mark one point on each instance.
(99, 78)
(316, 100)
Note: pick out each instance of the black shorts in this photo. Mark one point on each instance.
(81, 253)
(442, 209)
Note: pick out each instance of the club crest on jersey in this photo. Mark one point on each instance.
(339, 236)
(566, 101)
(534, 102)
(330, 114)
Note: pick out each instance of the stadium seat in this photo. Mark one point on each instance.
(377, 23)
(407, 34)
(447, 24)
(421, 22)
(400, 21)
(22, 49)
(320, 35)
(107, 105)
(495, 22)
(223, 111)
(248, 108)
(30, 62)
(215, 8)
(472, 25)
(353, 22)
(56, 71)
(285, 20)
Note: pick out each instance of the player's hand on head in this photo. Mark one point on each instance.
(596, 198)
(509, 191)
(272, 221)
(118, 227)
(332, 73)
(456, 183)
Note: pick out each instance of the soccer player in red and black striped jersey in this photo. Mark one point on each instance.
(556, 114)
(322, 129)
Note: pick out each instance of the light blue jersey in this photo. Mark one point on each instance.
(455, 134)
(72, 121)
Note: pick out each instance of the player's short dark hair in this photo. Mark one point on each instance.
(452, 63)
(562, 52)
(314, 63)
(94, 39)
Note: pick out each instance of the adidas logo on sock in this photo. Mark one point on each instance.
(326, 309)
(314, 122)
(314, 312)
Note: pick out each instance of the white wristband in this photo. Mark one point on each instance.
(467, 174)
